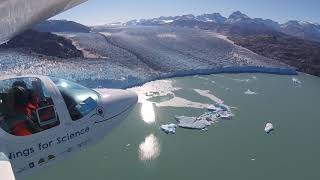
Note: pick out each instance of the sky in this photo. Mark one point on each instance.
(99, 12)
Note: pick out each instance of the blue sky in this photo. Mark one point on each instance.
(96, 12)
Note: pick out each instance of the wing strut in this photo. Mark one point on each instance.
(19, 15)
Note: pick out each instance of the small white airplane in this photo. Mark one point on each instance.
(43, 120)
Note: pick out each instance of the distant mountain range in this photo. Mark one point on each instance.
(295, 43)
(215, 21)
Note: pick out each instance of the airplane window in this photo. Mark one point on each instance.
(80, 100)
(25, 107)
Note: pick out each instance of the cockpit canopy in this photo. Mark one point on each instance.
(80, 100)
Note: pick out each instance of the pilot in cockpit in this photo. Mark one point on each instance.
(26, 108)
(22, 104)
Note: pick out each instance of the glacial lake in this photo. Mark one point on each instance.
(230, 149)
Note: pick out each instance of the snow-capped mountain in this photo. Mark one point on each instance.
(237, 17)
(237, 20)
(302, 29)
(268, 22)
(214, 17)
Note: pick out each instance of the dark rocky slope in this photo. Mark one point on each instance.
(61, 26)
(294, 43)
(302, 54)
(260, 38)
(43, 43)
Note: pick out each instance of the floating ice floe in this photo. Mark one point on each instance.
(169, 128)
(249, 92)
(222, 111)
(218, 111)
(214, 108)
(192, 122)
(207, 93)
(225, 115)
(208, 116)
(269, 127)
(219, 108)
(222, 107)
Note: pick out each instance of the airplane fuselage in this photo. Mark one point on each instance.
(69, 133)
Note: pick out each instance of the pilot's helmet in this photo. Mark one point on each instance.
(20, 93)
(19, 83)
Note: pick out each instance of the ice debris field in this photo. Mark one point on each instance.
(215, 112)
(166, 93)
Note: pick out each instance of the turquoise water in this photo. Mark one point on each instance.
(231, 149)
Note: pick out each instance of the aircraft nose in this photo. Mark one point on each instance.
(116, 102)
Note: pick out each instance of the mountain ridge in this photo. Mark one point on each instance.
(299, 29)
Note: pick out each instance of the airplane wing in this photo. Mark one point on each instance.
(19, 15)
(6, 171)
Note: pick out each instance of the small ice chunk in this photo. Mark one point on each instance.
(224, 107)
(169, 128)
(214, 108)
(296, 81)
(208, 116)
(249, 92)
(269, 127)
(225, 115)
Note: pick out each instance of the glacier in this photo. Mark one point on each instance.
(127, 57)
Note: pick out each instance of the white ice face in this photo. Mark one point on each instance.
(19, 15)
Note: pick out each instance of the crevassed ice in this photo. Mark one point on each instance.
(92, 73)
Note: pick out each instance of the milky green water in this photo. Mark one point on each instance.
(235, 149)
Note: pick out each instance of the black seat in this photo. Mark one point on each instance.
(3, 102)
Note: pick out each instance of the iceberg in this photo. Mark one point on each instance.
(192, 122)
(269, 127)
(215, 112)
(214, 108)
(169, 128)
(249, 92)
(224, 107)
(219, 108)
(225, 115)
(296, 81)
(208, 116)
